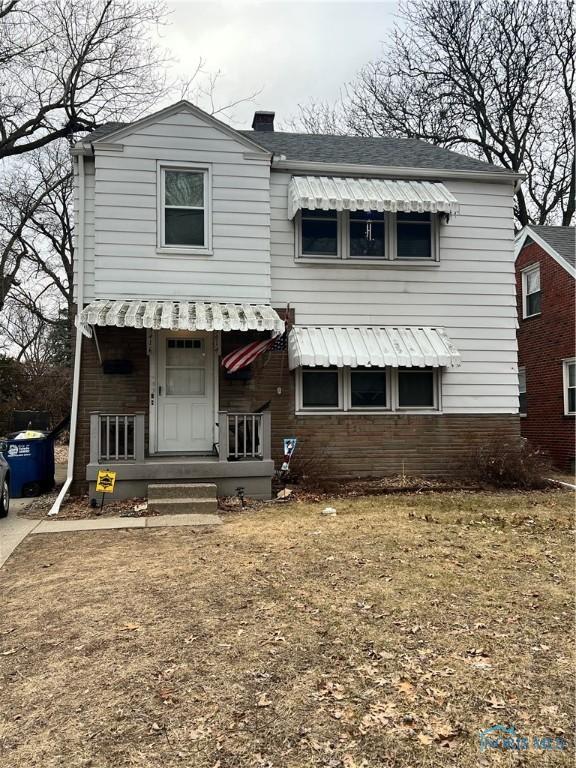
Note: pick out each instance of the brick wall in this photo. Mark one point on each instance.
(360, 445)
(109, 392)
(335, 446)
(543, 342)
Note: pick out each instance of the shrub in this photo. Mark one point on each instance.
(508, 463)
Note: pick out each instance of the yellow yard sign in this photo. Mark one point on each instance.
(105, 481)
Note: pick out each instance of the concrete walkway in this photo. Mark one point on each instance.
(14, 529)
(111, 523)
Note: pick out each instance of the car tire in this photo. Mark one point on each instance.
(4, 499)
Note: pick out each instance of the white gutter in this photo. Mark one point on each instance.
(79, 256)
(279, 162)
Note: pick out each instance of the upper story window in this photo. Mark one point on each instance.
(184, 208)
(569, 386)
(367, 230)
(367, 235)
(531, 292)
(319, 233)
(413, 235)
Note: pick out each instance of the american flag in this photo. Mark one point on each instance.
(240, 358)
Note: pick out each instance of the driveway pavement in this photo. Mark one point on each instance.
(14, 529)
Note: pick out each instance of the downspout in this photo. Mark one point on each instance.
(79, 255)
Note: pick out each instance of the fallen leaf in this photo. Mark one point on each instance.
(427, 741)
(9, 652)
(129, 627)
(405, 686)
(263, 701)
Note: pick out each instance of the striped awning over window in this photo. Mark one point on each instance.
(180, 316)
(331, 193)
(368, 346)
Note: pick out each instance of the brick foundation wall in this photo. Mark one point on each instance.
(360, 445)
(543, 342)
(109, 392)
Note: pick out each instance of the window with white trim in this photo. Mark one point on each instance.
(522, 410)
(367, 235)
(184, 209)
(569, 367)
(367, 389)
(531, 292)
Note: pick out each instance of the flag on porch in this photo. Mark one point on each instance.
(240, 358)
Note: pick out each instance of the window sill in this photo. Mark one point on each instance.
(529, 317)
(388, 263)
(422, 412)
(182, 251)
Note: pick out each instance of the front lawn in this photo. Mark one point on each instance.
(387, 636)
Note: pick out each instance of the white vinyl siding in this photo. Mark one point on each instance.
(128, 262)
(89, 189)
(470, 292)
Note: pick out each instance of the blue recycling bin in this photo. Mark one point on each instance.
(31, 465)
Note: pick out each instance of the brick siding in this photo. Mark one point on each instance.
(331, 445)
(360, 445)
(543, 342)
(127, 393)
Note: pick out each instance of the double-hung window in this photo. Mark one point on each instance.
(184, 208)
(320, 233)
(531, 292)
(414, 237)
(523, 405)
(367, 389)
(569, 386)
(367, 236)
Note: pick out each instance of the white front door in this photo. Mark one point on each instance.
(185, 392)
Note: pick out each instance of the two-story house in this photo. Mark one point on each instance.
(388, 262)
(546, 289)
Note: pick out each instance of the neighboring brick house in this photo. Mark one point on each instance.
(389, 262)
(545, 284)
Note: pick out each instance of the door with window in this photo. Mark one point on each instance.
(185, 393)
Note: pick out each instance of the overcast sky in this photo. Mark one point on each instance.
(292, 52)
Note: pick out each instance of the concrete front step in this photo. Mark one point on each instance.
(181, 491)
(182, 506)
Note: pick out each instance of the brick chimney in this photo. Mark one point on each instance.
(263, 121)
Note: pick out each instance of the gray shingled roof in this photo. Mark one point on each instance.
(104, 130)
(363, 150)
(562, 239)
(350, 150)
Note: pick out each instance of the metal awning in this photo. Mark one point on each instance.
(180, 316)
(368, 346)
(329, 193)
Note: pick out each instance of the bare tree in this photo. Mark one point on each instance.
(491, 78)
(29, 196)
(68, 65)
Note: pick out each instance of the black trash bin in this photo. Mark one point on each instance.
(31, 463)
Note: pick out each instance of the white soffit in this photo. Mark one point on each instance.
(373, 347)
(329, 193)
(180, 316)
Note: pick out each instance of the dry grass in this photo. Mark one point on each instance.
(386, 636)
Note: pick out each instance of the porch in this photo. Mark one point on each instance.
(241, 457)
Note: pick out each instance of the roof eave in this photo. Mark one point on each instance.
(280, 163)
(526, 232)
